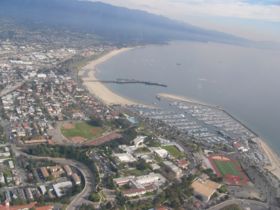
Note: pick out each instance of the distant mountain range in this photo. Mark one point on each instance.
(114, 24)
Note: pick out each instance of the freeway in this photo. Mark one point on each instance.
(80, 198)
(11, 89)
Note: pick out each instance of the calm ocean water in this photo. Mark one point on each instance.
(245, 81)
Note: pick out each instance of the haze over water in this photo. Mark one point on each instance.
(244, 81)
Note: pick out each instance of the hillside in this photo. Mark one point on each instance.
(112, 23)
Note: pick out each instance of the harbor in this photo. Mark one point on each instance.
(212, 126)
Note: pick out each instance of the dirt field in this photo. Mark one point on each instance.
(68, 126)
(104, 139)
(78, 140)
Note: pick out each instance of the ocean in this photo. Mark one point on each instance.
(244, 81)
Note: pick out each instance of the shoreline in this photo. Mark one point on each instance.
(273, 157)
(98, 89)
(108, 97)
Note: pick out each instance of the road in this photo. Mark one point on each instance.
(11, 89)
(81, 198)
(252, 204)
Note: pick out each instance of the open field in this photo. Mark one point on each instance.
(81, 131)
(230, 170)
(174, 151)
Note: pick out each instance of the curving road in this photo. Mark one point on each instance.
(80, 198)
(256, 205)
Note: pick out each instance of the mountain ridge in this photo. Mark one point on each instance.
(117, 24)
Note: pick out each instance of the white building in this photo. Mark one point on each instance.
(139, 140)
(43, 189)
(152, 178)
(59, 187)
(125, 157)
(5, 154)
(42, 76)
(2, 178)
(160, 152)
(11, 164)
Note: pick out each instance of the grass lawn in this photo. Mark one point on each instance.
(226, 167)
(83, 129)
(174, 151)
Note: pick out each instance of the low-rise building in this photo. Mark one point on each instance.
(11, 164)
(123, 180)
(125, 157)
(60, 187)
(138, 191)
(152, 178)
(175, 169)
(76, 179)
(44, 172)
(43, 189)
(2, 178)
(139, 140)
(28, 194)
(160, 152)
(183, 164)
(68, 170)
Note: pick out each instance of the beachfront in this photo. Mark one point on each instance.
(274, 166)
(98, 89)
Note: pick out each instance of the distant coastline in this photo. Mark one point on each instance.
(98, 89)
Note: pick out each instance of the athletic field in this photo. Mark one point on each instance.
(81, 130)
(229, 169)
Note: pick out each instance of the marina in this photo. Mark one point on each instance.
(210, 126)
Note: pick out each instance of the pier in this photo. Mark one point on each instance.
(129, 81)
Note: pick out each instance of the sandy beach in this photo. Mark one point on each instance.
(99, 89)
(274, 166)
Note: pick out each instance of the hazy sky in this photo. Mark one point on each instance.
(255, 19)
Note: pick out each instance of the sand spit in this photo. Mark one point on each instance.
(182, 98)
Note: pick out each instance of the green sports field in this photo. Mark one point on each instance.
(227, 167)
(84, 130)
